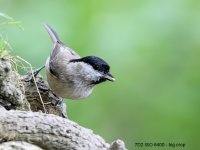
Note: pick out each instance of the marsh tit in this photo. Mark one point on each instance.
(71, 76)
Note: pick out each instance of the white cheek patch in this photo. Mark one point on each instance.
(83, 72)
(89, 72)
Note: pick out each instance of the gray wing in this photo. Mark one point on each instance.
(54, 62)
(60, 54)
(57, 44)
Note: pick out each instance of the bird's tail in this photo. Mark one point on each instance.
(52, 33)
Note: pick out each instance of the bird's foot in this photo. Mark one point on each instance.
(34, 74)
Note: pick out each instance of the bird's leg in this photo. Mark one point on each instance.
(35, 73)
(60, 106)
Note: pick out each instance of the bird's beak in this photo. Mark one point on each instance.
(109, 77)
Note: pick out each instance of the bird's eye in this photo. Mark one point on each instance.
(96, 67)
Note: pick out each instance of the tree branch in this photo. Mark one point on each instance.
(18, 145)
(47, 131)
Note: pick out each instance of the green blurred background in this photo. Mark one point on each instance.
(153, 48)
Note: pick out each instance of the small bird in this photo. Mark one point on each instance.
(71, 76)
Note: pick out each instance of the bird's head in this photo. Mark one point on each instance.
(99, 69)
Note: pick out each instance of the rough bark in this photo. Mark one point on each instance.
(47, 131)
(20, 92)
(52, 103)
(22, 118)
(18, 145)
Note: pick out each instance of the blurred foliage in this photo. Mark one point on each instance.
(3, 47)
(152, 47)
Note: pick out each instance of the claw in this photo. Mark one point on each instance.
(35, 73)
